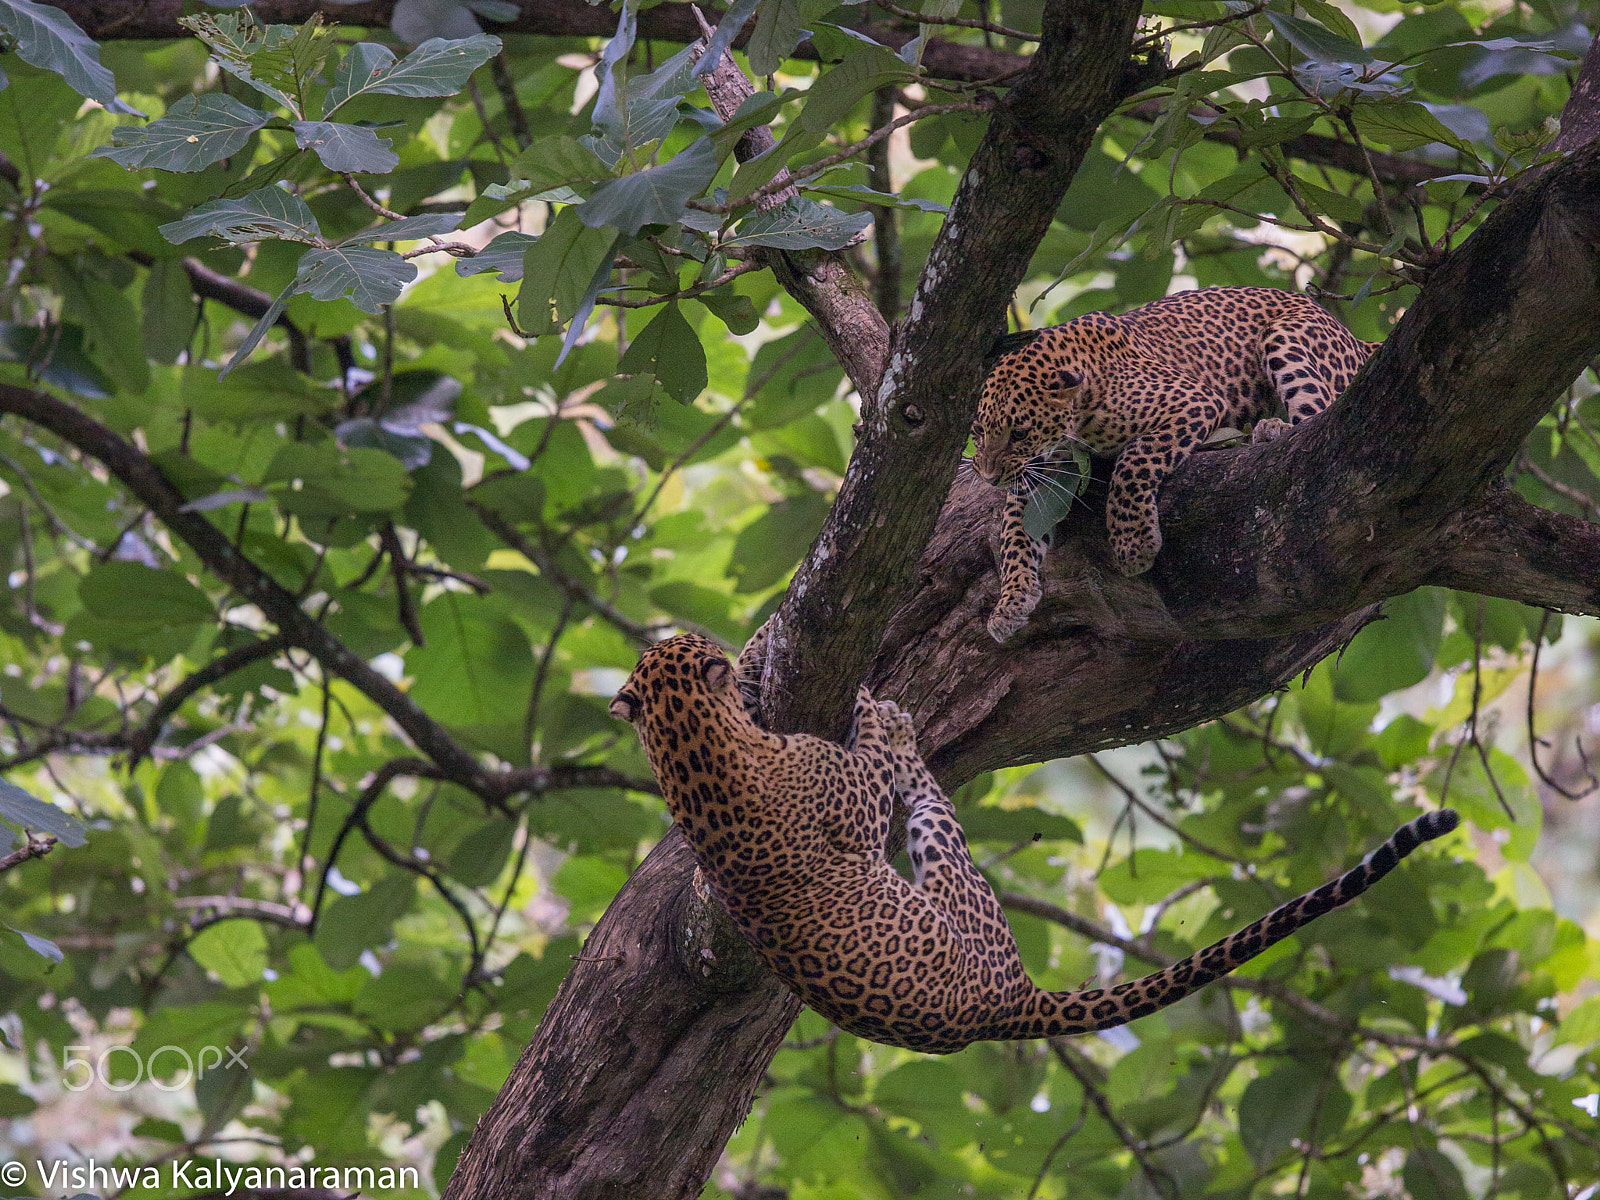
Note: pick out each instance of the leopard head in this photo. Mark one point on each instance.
(683, 674)
(1030, 405)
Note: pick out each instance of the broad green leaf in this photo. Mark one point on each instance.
(346, 147)
(757, 109)
(280, 61)
(862, 194)
(1403, 126)
(1279, 1107)
(18, 808)
(732, 309)
(1317, 42)
(554, 162)
(126, 591)
(365, 275)
(589, 883)
(67, 367)
(832, 97)
(656, 196)
(557, 272)
(475, 668)
(1394, 651)
(990, 823)
(235, 951)
(44, 36)
(1431, 1175)
(324, 479)
(775, 36)
(438, 67)
(408, 229)
(768, 548)
(669, 349)
(1145, 876)
(169, 311)
(268, 212)
(350, 924)
(504, 254)
(800, 224)
(196, 132)
(729, 27)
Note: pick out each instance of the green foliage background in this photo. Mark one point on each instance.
(493, 520)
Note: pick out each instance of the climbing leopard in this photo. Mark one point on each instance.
(1147, 386)
(789, 832)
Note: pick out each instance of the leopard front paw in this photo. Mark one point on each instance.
(1269, 429)
(1135, 555)
(901, 729)
(1012, 613)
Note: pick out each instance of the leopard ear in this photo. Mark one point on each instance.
(624, 706)
(717, 673)
(1070, 380)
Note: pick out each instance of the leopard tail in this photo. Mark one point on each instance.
(1084, 1012)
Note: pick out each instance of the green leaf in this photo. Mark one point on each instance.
(1317, 42)
(169, 311)
(475, 667)
(196, 132)
(589, 884)
(324, 479)
(365, 275)
(350, 924)
(557, 271)
(990, 823)
(832, 97)
(1148, 875)
(346, 147)
(68, 367)
(1431, 1175)
(268, 212)
(729, 27)
(479, 857)
(756, 109)
(775, 36)
(407, 229)
(18, 808)
(1393, 652)
(504, 254)
(1278, 1108)
(732, 309)
(768, 548)
(862, 194)
(554, 162)
(235, 951)
(126, 591)
(800, 224)
(280, 61)
(669, 349)
(44, 36)
(438, 67)
(656, 196)
(1403, 125)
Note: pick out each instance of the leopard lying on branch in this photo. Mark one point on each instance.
(790, 830)
(1148, 386)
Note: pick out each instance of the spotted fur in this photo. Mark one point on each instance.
(1147, 386)
(789, 832)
